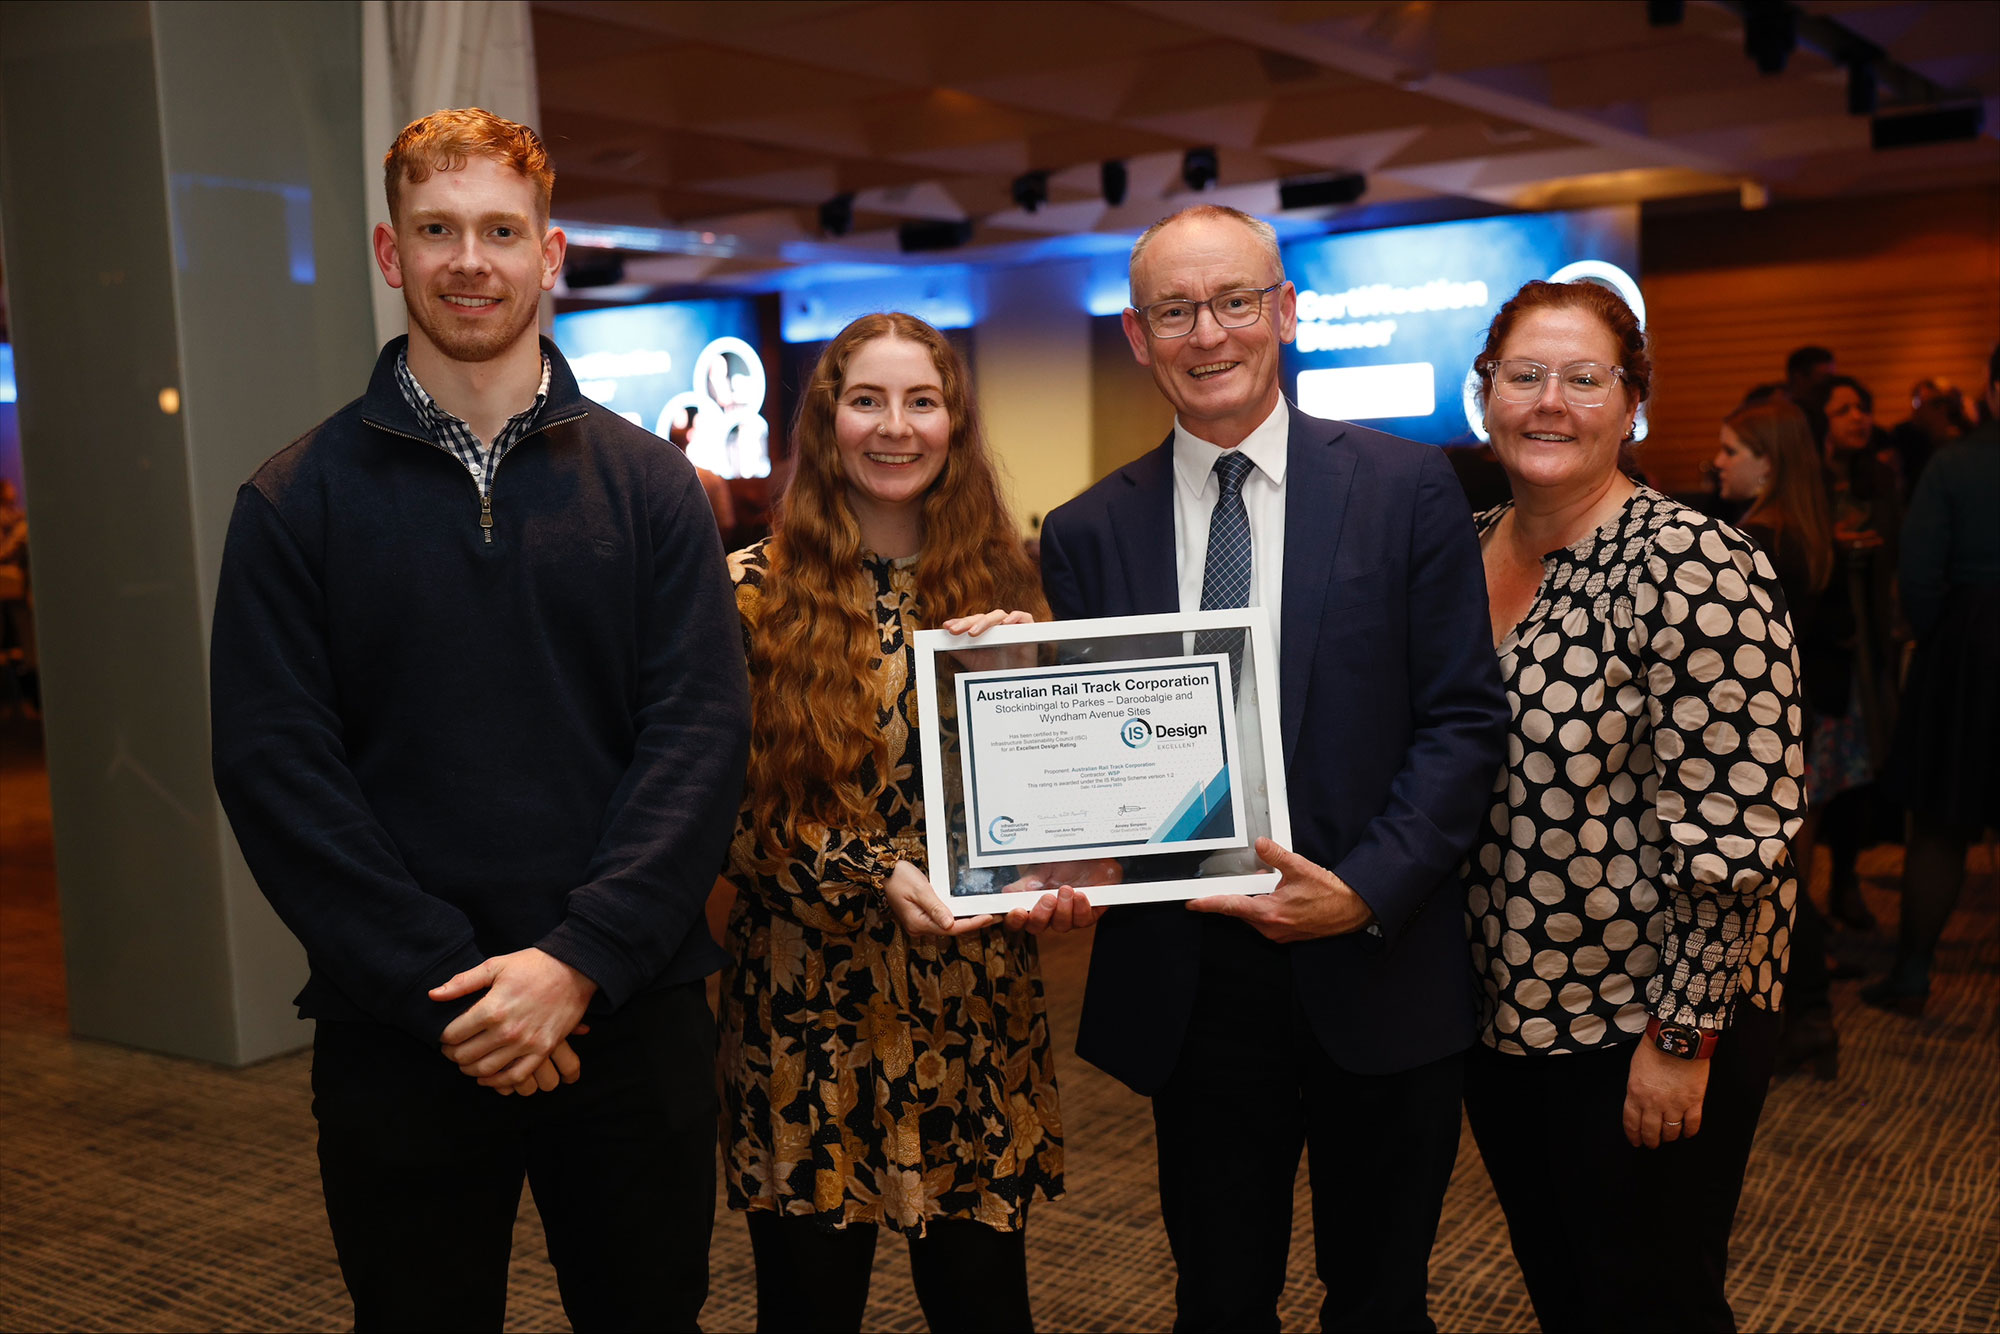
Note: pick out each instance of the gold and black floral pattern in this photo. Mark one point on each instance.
(869, 1077)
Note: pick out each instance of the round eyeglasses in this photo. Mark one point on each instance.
(1234, 309)
(1585, 384)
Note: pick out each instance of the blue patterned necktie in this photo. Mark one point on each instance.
(1225, 578)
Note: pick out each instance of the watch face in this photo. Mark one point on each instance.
(1680, 1040)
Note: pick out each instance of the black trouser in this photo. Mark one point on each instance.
(969, 1277)
(1608, 1236)
(422, 1169)
(1933, 877)
(1252, 1087)
(1808, 984)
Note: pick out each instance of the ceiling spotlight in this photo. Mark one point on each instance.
(1198, 168)
(1665, 13)
(1321, 191)
(593, 268)
(1769, 34)
(932, 234)
(1113, 178)
(836, 215)
(1031, 190)
(1943, 125)
(1861, 88)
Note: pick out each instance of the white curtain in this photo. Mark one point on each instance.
(420, 56)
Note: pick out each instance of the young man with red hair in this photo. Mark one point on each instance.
(480, 723)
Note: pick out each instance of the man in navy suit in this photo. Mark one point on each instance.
(1331, 1013)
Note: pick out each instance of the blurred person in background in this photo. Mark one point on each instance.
(1850, 743)
(17, 614)
(17, 611)
(1937, 417)
(712, 485)
(1628, 900)
(1807, 370)
(1768, 463)
(1946, 764)
(883, 1065)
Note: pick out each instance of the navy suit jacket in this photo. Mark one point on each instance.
(1393, 722)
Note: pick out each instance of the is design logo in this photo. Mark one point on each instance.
(1136, 732)
(1005, 829)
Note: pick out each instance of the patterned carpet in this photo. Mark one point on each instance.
(139, 1192)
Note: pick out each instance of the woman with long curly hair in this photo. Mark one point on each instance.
(882, 1065)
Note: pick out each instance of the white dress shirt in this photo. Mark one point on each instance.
(1196, 489)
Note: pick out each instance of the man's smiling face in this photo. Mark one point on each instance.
(471, 257)
(1222, 382)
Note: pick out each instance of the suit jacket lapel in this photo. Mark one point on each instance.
(1317, 480)
(1142, 518)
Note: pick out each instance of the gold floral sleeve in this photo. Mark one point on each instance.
(828, 877)
(825, 878)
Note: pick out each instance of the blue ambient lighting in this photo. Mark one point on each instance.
(298, 218)
(690, 367)
(1398, 314)
(944, 296)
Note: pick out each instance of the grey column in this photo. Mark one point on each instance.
(186, 250)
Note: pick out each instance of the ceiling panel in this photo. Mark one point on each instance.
(744, 118)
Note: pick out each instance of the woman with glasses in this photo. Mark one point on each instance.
(1623, 899)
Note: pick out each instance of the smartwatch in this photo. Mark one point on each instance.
(1682, 1041)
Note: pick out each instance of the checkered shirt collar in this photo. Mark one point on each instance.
(455, 437)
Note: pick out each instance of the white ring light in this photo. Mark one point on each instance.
(1611, 276)
(755, 365)
(1583, 270)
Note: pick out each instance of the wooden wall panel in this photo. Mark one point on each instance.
(1900, 289)
(1127, 414)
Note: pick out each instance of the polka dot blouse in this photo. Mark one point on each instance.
(1634, 863)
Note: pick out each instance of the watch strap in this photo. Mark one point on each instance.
(1684, 1041)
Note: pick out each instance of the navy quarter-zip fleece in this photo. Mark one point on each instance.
(435, 747)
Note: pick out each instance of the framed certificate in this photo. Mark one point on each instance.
(1136, 757)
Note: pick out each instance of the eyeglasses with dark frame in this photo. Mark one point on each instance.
(1584, 384)
(1234, 309)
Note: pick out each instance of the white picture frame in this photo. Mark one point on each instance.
(971, 891)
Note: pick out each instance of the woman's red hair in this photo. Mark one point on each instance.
(814, 724)
(1635, 359)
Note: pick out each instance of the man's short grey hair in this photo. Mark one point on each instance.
(1266, 234)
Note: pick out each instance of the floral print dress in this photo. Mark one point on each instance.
(869, 1077)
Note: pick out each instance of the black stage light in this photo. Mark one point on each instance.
(1198, 168)
(1861, 88)
(1031, 190)
(593, 268)
(1769, 34)
(932, 234)
(1320, 191)
(1943, 125)
(836, 215)
(1665, 13)
(1113, 178)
